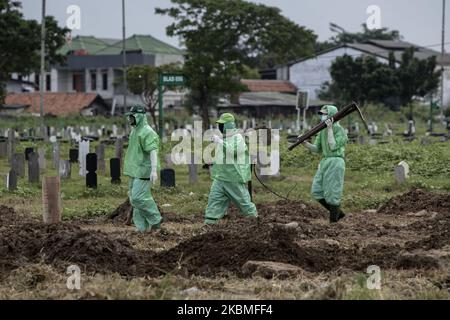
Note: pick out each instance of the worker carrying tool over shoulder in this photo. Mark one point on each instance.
(141, 166)
(230, 173)
(328, 182)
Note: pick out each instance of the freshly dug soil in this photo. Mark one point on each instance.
(360, 240)
(417, 200)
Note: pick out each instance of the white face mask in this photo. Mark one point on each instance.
(324, 117)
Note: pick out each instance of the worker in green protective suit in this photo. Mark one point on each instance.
(230, 173)
(328, 182)
(141, 166)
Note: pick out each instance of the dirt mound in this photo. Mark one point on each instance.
(120, 215)
(8, 216)
(416, 200)
(64, 244)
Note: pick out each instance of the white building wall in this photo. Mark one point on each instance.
(54, 80)
(161, 59)
(447, 87)
(312, 73)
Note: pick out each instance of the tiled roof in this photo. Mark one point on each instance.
(54, 103)
(143, 43)
(270, 86)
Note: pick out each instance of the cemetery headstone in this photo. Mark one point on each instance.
(168, 178)
(41, 155)
(11, 148)
(73, 155)
(114, 167)
(33, 168)
(12, 180)
(83, 151)
(51, 199)
(18, 164)
(3, 149)
(65, 169)
(192, 170)
(55, 155)
(27, 153)
(100, 151)
(401, 172)
(91, 167)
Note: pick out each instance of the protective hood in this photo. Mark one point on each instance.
(331, 110)
(229, 128)
(141, 119)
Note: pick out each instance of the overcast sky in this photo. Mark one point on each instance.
(419, 21)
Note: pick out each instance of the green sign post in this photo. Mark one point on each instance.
(166, 80)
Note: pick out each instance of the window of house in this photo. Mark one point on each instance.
(93, 80)
(105, 80)
(48, 83)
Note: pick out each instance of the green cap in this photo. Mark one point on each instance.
(136, 109)
(225, 118)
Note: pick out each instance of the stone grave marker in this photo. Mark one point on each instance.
(27, 153)
(41, 158)
(55, 155)
(33, 168)
(83, 151)
(91, 168)
(401, 172)
(12, 180)
(18, 164)
(168, 178)
(100, 151)
(65, 169)
(114, 167)
(73, 155)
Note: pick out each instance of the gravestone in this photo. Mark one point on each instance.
(27, 153)
(73, 155)
(83, 151)
(119, 149)
(12, 180)
(65, 169)
(4, 179)
(51, 199)
(100, 151)
(193, 170)
(55, 155)
(91, 167)
(18, 164)
(41, 156)
(3, 149)
(114, 167)
(401, 172)
(168, 178)
(11, 148)
(33, 168)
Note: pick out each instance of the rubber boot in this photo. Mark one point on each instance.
(324, 204)
(334, 214)
(341, 214)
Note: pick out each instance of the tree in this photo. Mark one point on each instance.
(342, 36)
(367, 80)
(20, 42)
(222, 36)
(143, 80)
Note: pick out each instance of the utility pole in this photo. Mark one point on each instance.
(42, 75)
(124, 55)
(442, 59)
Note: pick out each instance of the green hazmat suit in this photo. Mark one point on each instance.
(230, 173)
(137, 166)
(328, 182)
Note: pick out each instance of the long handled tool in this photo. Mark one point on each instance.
(345, 111)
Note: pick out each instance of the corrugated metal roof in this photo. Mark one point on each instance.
(90, 44)
(143, 43)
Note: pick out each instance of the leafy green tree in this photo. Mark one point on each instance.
(142, 80)
(342, 36)
(367, 80)
(20, 43)
(222, 36)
